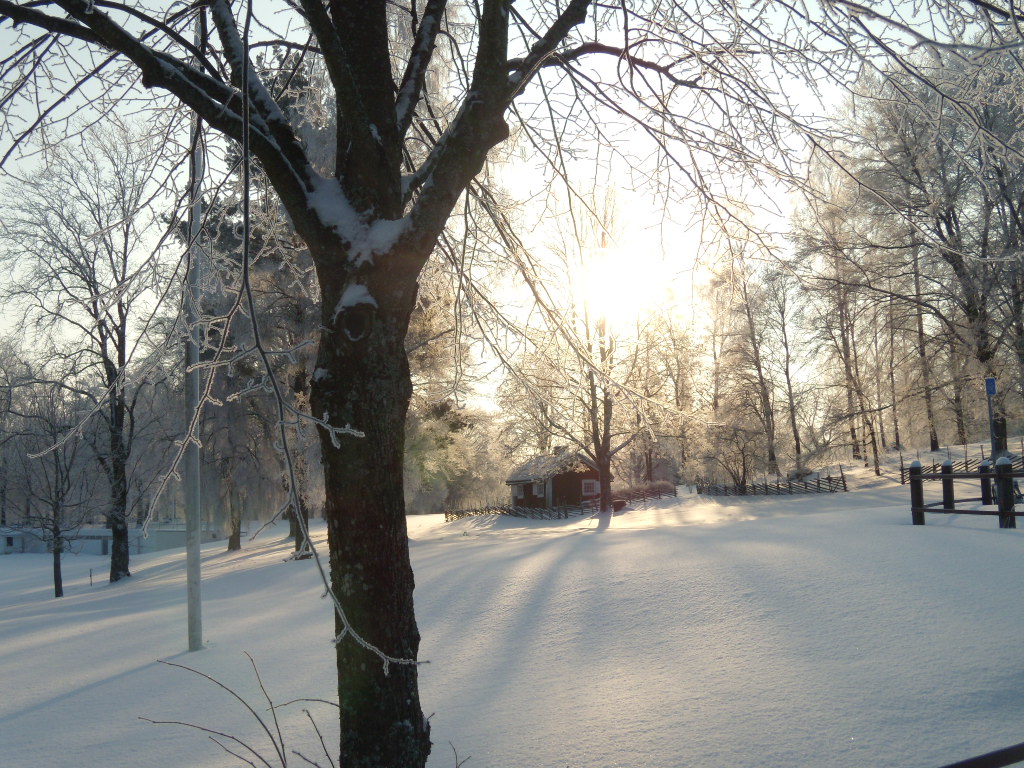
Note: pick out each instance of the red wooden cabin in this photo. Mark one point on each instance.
(564, 478)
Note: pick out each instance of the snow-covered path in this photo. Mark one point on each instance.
(815, 631)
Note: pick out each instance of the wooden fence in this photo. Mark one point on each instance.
(966, 464)
(777, 488)
(531, 513)
(643, 495)
(998, 487)
(619, 499)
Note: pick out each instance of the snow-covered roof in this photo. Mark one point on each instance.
(540, 468)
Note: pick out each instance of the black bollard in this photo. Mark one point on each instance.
(916, 494)
(1004, 490)
(948, 499)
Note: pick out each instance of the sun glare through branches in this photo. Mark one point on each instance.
(622, 285)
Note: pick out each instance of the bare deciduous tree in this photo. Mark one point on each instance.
(76, 242)
(55, 486)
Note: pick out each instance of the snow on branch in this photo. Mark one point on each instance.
(335, 212)
(241, 67)
(419, 60)
(277, 127)
(574, 14)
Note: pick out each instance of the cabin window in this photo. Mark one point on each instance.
(590, 488)
(517, 491)
(10, 541)
(538, 489)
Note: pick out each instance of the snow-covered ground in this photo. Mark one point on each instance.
(807, 631)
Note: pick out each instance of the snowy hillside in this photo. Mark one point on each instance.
(813, 631)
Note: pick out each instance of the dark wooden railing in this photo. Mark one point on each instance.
(562, 512)
(959, 465)
(532, 513)
(966, 464)
(998, 491)
(778, 487)
(643, 495)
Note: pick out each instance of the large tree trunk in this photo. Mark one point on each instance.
(119, 549)
(845, 331)
(117, 518)
(58, 578)
(764, 387)
(922, 355)
(300, 523)
(870, 438)
(1015, 290)
(362, 381)
(897, 443)
(3, 493)
(877, 370)
(604, 475)
(234, 520)
(117, 474)
(959, 414)
(791, 399)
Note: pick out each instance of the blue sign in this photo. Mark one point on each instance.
(990, 386)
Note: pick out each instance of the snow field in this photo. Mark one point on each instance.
(806, 631)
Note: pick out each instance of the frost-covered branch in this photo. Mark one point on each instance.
(419, 60)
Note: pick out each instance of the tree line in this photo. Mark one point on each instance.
(868, 325)
(93, 365)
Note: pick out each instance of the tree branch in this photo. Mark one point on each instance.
(562, 58)
(416, 68)
(460, 152)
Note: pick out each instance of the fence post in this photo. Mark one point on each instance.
(948, 499)
(916, 493)
(903, 471)
(986, 482)
(1004, 492)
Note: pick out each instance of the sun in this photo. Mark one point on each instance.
(625, 287)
